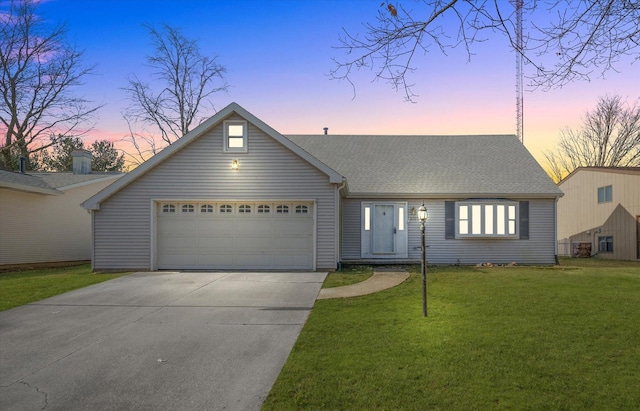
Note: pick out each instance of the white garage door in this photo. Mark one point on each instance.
(235, 235)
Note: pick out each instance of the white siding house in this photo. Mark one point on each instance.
(236, 194)
(601, 208)
(41, 219)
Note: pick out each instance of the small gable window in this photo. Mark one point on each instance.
(235, 136)
(605, 194)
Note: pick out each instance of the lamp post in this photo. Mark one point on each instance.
(423, 215)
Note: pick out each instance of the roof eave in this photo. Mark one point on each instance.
(89, 182)
(31, 189)
(453, 195)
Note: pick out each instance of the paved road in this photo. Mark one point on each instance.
(155, 341)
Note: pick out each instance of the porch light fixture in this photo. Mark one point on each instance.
(234, 164)
(423, 215)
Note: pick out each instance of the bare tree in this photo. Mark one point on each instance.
(184, 79)
(567, 40)
(39, 70)
(609, 137)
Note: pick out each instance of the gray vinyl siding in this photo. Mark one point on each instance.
(538, 249)
(201, 171)
(351, 229)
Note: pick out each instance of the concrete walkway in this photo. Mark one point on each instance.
(380, 280)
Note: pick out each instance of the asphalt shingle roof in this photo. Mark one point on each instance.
(48, 183)
(24, 182)
(431, 165)
(58, 180)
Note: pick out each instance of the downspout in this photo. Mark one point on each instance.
(93, 240)
(339, 225)
(555, 229)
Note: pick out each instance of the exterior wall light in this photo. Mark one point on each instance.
(423, 215)
(234, 164)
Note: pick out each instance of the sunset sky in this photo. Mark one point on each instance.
(278, 55)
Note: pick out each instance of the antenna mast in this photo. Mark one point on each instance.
(518, 4)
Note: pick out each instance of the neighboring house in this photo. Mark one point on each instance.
(41, 220)
(236, 194)
(600, 209)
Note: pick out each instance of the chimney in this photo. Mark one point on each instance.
(81, 161)
(326, 130)
(23, 162)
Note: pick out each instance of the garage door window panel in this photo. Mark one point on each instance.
(282, 209)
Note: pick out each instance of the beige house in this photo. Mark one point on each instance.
(600, 213)
(41, 220)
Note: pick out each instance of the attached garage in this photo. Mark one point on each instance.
(260, 235)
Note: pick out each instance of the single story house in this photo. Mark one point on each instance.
(41, 220)
(236, 194)
(600, 213)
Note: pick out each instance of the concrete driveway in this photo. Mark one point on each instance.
(155, 341)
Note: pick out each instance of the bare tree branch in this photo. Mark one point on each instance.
(568, 40)
(187, 79)
(609, 137)
(39, 70)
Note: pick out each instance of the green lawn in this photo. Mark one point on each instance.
(22, 287)
(496, 338)
(347, 276)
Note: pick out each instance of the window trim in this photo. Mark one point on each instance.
(606, 239)
(492, 231)
(226, 136)
(605, 198)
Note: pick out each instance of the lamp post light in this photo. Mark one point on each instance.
(423, 215)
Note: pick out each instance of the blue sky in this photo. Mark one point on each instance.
(278, 56)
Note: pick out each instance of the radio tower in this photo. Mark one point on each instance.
(518, 4)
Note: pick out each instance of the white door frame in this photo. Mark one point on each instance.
(400, 230)
(155, 204)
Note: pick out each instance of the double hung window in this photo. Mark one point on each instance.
(605, 194)
(235, 136)
(487, 219)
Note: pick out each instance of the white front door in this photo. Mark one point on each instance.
(384, 230)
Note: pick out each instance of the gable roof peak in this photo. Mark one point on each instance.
(94, 202)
